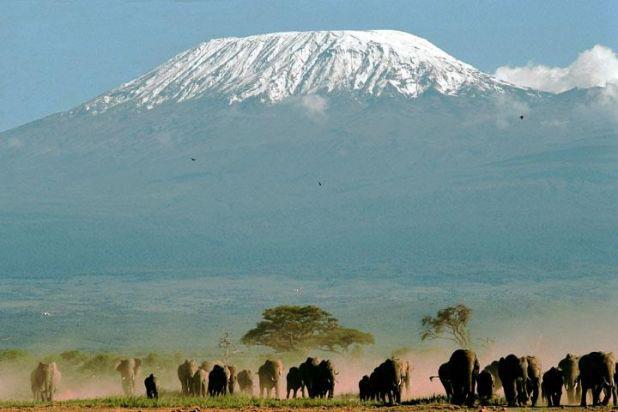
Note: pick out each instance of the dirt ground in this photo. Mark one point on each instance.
(400, 408)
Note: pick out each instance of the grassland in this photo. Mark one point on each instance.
(175, 403)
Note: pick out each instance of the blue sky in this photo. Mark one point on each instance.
(55, 54)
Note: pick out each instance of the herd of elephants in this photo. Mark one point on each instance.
(521, 379)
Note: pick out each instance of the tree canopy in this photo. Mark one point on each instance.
(450, 323)
(300, 328)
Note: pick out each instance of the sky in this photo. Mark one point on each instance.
(56, 54)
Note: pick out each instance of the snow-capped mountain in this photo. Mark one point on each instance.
(418, 181)
(272, 67)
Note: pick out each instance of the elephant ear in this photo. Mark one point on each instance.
(118, 364)
(138, 364)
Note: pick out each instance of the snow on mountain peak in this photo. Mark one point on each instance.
(272, 67)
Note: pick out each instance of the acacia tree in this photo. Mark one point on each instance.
(302, 328)
(450, 323)
(227, 346)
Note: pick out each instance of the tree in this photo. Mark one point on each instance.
(303, 328)
(450, 323)
(227, 346)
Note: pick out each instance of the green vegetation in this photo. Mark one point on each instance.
(13, 355)
(174, 400)
(303, 328)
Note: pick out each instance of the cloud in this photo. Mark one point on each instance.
(508, 110)
(603, 102)
(314, 104)
(311, 105)
(595, 67)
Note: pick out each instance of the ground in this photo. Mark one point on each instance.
(179, 404)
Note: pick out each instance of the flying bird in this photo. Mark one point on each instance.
(319, 183)
(521, 117)
(193, 159)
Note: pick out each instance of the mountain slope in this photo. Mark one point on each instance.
(197, 212)
(272, 67)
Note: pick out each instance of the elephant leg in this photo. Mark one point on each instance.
(570, 393)
(535, 392)
(510, 393)
(596, 394)
(556, 397)
(582, 401)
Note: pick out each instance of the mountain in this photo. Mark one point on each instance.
(273, 67)
(240, 171)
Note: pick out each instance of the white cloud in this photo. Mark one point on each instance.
(314, 104)
(597, 66)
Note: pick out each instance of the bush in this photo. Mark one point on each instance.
(12, 355)
(99, 364)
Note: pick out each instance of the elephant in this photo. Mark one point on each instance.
(513, 372)
(308, 371)
(406, 371)
(44, 381)
(570, 372)
(199, 383)
(533, 384)
(596, 373)
(551, 388)
(325, 380)
(232, 379)
(493, 369)
(269, 375)
(294, 383)
(152, 387)
(245, 381)
(218, 380)
(129, 370)
(463, 370)
(445, 380)
(485, 387)
(365, 392)
(386, 381)
(186, 371)
(207, 366)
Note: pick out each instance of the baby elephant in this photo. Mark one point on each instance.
(552, 386)
(485, 387)
(152, 387)
(364, 389)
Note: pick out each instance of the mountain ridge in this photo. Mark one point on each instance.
(272, 67)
